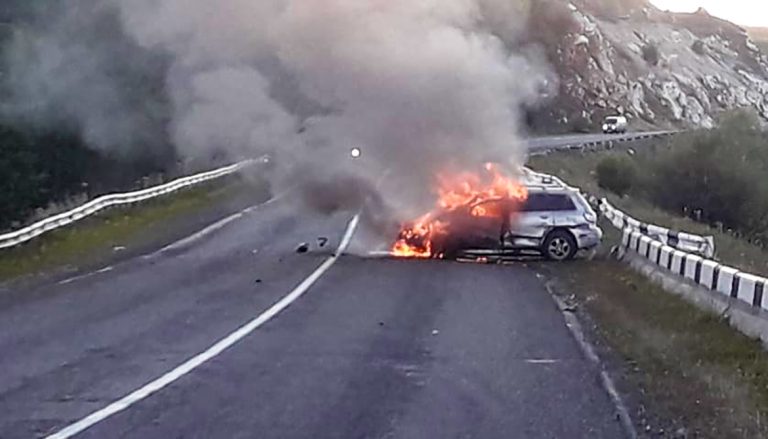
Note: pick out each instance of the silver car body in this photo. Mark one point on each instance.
(551, 208)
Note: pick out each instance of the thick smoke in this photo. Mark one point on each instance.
(73, 69)
(420, 86)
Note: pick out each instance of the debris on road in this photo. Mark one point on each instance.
(322, 241)
(302, 248)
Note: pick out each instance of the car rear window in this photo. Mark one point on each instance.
(547, 203)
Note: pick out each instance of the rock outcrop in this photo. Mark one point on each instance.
(660, 69)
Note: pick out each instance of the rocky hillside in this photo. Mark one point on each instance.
(661, 69)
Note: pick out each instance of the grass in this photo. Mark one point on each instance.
(686, 371)
(695, 374)
(578, 169)
(90, 239)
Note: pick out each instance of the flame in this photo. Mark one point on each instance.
(465, 190)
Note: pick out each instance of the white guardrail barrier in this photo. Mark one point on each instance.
(21, 236)
(707, 273)
(701, 245)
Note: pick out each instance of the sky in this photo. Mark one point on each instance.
(743, 12)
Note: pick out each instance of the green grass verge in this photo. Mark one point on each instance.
(92, 238)
(695, 374)
(578, 169)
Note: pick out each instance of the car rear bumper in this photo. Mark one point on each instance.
(588, 237)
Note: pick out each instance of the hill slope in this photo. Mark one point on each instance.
(660, 68)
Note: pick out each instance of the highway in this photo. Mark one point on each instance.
(234, 334)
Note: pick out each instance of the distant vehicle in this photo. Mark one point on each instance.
(554, 221)
(615, 125)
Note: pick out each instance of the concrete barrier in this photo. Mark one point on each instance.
(715, 277)
(741, 297)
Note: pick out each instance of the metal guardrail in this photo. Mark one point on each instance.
(28, 233)
(701, 245)
(597, 142)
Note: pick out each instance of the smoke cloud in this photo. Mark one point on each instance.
(419, 86)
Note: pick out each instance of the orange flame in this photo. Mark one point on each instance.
(464, 190)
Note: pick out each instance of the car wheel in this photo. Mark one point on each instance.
(560, 246)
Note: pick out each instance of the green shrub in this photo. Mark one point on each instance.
(720, 174)
(616, 174)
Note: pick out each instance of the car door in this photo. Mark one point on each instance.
(479, 226)
(530, 224)
(564, 211)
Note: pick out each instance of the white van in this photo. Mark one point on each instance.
(615, 125)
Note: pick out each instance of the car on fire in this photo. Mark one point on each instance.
(558, 223)
(555, 221)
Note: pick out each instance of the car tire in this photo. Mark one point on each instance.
(560, 246)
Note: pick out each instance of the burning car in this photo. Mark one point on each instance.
(502, 217)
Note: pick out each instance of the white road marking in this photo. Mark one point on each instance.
(76, 278)
(189, 240)
(86, 275)
(185, 241)
(218, 225)
(222, 345)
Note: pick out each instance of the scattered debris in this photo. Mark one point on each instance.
(322, 241)
(258, 281)
(435, 332)
(302, 248)
(570, 304)
(119, 248)
(541, 361)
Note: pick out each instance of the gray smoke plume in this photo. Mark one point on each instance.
(72, 68)
(418, 86)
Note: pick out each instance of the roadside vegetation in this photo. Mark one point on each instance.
(708, 183)
(105, 235)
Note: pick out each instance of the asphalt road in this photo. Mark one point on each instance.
(375, 348)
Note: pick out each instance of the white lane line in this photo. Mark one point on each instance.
(75, 279)
(225, 343)
(189, 240)
(541, 361)
(218, 225)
